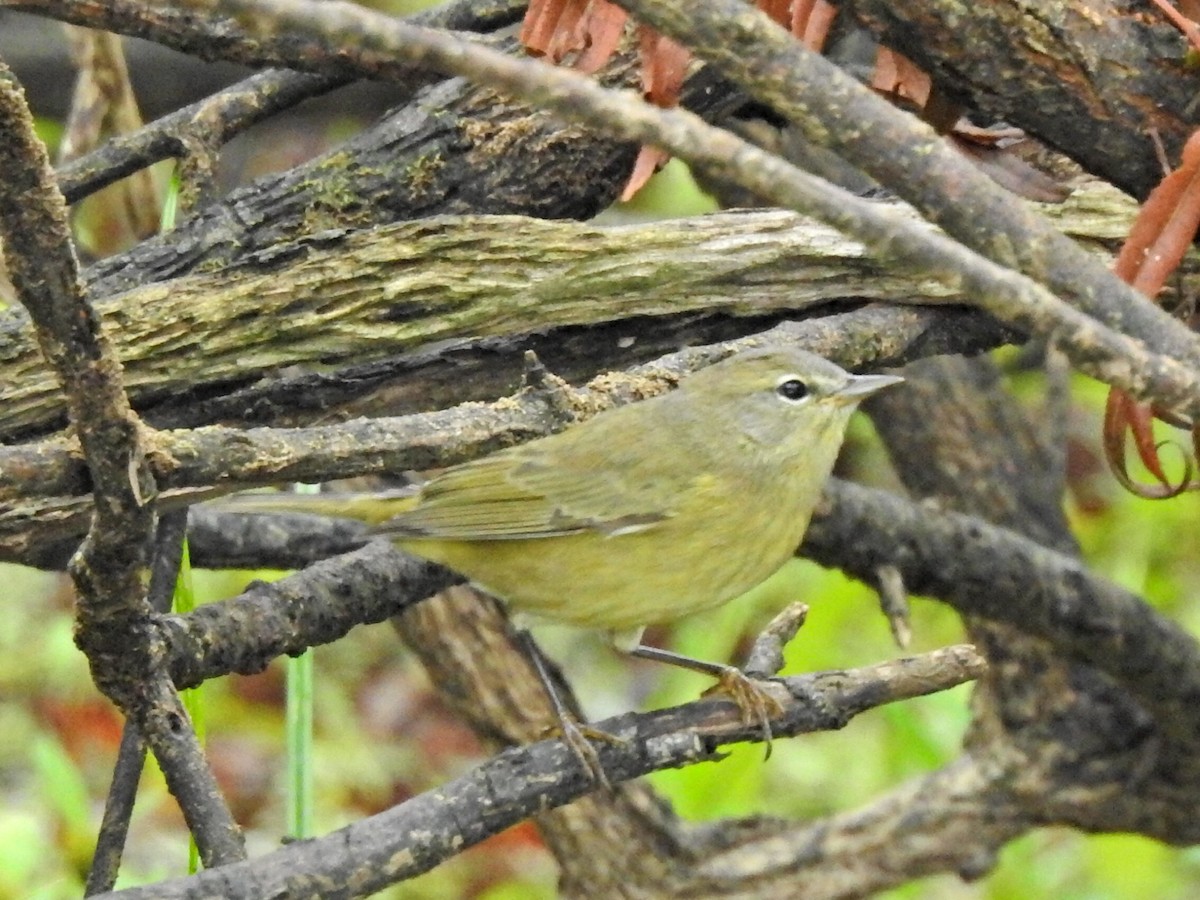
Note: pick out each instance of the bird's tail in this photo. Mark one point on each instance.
(372, 508)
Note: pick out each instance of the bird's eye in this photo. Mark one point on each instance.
(792, 389)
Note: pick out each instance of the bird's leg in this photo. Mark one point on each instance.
(575, 734)
(755, 702)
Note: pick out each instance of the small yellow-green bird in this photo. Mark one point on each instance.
(643, 514)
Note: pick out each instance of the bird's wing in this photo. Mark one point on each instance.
(515, 495)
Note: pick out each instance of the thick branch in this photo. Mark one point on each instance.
(358, 297)
(313, 607)
(1094, 349)
(955, 820)
(873, 336)
(990, 572)
(904, 154)
(454, 149)
(363, 296)
(1094, 78)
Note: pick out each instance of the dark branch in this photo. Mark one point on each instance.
(227, 113)
(109, 567)
(316, 606)
(987, 571)
(1041, 73)
(222, 38)
(415, 836)
(131, 757)
(905, 155)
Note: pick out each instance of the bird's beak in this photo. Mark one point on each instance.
(862, 386)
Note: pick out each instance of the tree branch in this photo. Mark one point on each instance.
(906, 155)
(213, 39)
(418, 834)
(218, 118)
(966, 813)
(982, 570)
(1092, 347)
(1044, 73)
(109, 568)
(313, 304)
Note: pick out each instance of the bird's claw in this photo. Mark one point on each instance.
(756, 703)
(578, 737)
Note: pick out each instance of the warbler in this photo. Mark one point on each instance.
(643, 514)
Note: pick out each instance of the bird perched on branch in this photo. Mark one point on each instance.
(643, 514)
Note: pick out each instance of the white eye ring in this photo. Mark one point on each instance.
(792, 388)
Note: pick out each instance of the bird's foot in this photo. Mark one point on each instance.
(756, 703)
(578, 736)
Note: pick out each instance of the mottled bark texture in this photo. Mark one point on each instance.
(1099, 80)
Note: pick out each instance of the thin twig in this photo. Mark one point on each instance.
(131, 756)
(416, 835)
(1093, 347)
(109, 567)
(218, 118)
(221, 38)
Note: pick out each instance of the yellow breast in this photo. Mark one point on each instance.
(716, 546)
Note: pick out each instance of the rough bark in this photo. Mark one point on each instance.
(191, 341)
(1096, 79)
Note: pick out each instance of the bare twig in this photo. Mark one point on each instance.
(110, 566)
(223, 38)
(893, 601)
(216, 119)
(1093, 347)
(316, 606)
(766, 655)
(418, 834)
